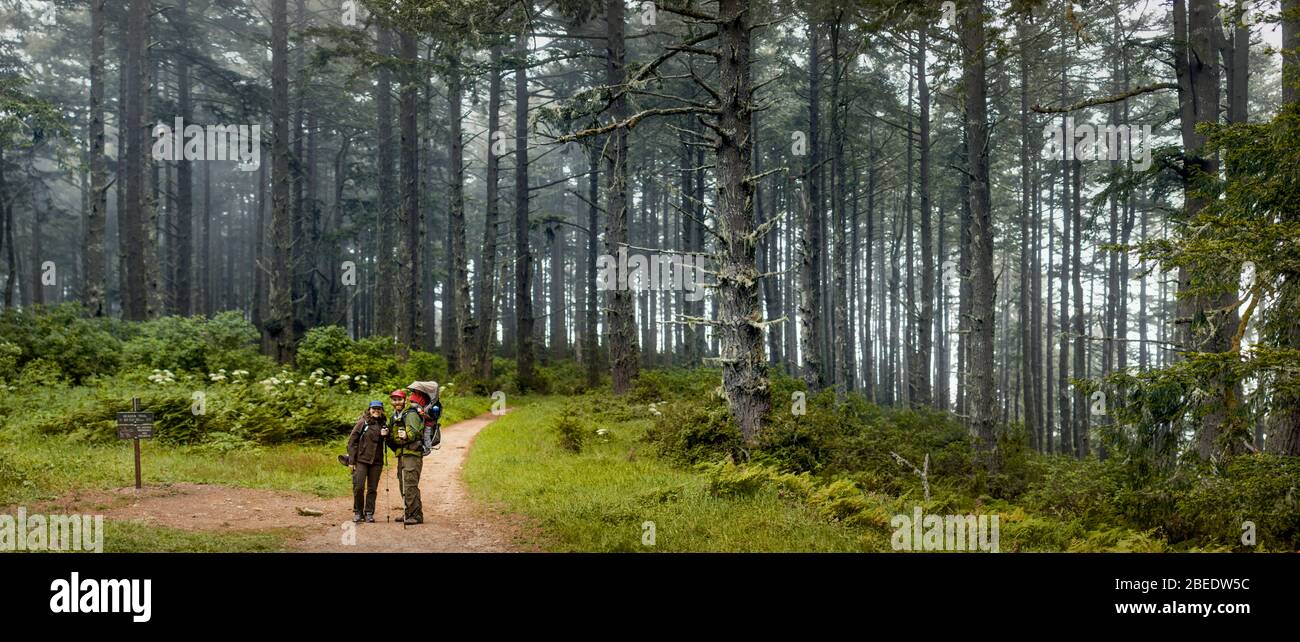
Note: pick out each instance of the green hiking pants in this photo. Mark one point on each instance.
(408, 476)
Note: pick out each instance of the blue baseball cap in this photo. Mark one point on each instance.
(376, 404)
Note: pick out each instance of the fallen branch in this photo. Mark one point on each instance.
(924, 474)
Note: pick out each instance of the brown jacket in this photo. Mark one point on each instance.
(364, 444)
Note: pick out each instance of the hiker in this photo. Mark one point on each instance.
(405, 434)
(366, 459)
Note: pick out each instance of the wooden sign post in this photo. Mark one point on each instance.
(135, 425)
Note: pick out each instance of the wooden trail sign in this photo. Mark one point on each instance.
(135, 425)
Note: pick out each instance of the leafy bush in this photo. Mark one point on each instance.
(77, 347)
(660, 385)
(324, 347)
(330, 350)
(727, 480)
(423, 366)
(375, 358)
(690, 431)
(569, 431)
(9, 355)
(563, 378)
(840, 500)
(1084, 489)
(232, 344)
(1263, 489)
(195, 344)
(42, 373)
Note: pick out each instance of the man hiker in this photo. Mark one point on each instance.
(366, 459)
(405, 434)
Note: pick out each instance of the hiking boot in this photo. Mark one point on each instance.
(411, 520)
(370, 518)
(356, 517)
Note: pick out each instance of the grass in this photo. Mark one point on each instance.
(600, 498)
(37, 468)
(130, 536)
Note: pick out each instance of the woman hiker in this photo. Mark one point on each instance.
(366, 459)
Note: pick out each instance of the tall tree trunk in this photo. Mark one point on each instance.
(206, 270)
(278, 330)
(184, 176)
(523, 259)
(767, 250)
(744, 368)
(461, 327)
(589, 336)
(983, 400)
(620, 317)
(1067, 441)
(810, 245)
(924, 323)
(1198, 78)
(1026, 337)
(338, 302)
(133, 220)
(92, 254)
(840, 314)
(300, 254)
(559, 344)
(387, 235)
(408, 218)
(869, 388)
(259, 251)
(1078, 327)
(486, 316)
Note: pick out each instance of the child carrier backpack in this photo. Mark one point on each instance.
(424, 394)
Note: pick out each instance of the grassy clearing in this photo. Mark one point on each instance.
(599, 499)
(36, 468)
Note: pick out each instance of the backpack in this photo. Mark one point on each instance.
(425, 396)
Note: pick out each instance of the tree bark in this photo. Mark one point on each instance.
(385, 231)
(485, 330)
(278, 330)
(93, 252)
(983, 399)
(810, 243)
(744, 368)
(620, 317)
(457, 268)
(523, 259)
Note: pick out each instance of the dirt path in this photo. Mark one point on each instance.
(453, 522)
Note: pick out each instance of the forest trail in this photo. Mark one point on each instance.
(453, 522)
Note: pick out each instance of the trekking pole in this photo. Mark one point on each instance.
(388, 497)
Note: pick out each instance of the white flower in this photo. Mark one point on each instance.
(302, 383)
